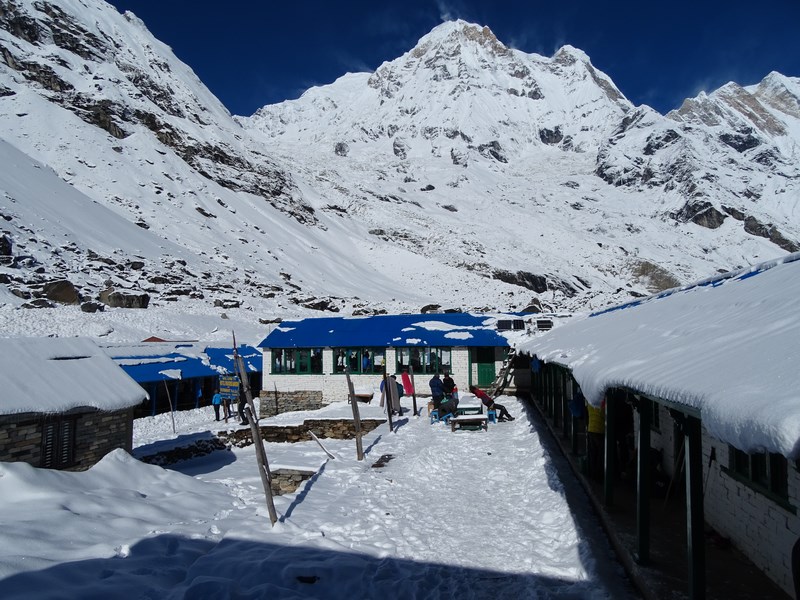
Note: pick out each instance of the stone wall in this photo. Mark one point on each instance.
(99, 433)
(96, 434)
(20, 441)
(323, 428)
(241, 438)
(288, 402)
(286, 481)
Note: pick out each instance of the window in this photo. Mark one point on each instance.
(58, 443)
(765, 472)
(288, 361)
(359, 360)
(424, 360)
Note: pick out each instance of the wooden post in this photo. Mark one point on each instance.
(413, 388)
(356, 415)
(171, 411)
(642, 555)
(255, 432)
(695, 517)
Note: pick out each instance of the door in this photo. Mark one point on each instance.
(484, 358)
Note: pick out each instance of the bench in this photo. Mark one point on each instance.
(434, 414)
(471, 421)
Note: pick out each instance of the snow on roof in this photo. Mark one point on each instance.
(387, 330)
(54, 375)
(154, 362)
(728, 347)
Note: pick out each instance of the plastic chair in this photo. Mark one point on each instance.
(434, 415)
(492, 415)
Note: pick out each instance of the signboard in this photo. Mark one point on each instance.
(229, 387)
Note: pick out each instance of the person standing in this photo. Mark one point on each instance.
(216, 402)
(437, 390)
(490, 404)
(448, 385)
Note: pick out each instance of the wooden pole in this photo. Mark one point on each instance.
(255, 432)
(413, 388)
(356, 415)
(171, 411)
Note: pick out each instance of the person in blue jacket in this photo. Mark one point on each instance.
(216, 402)
(437, 390)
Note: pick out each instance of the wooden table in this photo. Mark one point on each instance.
(474, 421)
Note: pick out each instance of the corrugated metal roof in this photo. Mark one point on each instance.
(185, 361)
(435, 330)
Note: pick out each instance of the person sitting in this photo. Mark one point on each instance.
(490, 404)
(450, 401)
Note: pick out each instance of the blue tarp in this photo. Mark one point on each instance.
(434, 330)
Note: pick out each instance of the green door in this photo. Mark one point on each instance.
(486, 374)
(484, 358)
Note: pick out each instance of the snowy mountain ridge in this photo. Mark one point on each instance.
(464, 174)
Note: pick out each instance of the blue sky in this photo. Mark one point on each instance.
(251, 53)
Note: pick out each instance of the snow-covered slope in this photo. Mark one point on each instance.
(464, 174)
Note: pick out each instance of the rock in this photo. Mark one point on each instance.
(493, 150)
(6, 246)
(551, 136)
(400, 148)
(92, 307)
(740, 141)
(430, 308)
(535, 306)
(116, 299)
(63, 292)
(39, 303)
(341, 149)
(227, 303)
(701, 213)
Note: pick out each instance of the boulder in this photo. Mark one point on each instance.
(62, 291)
(6, 246)
(116, 299)
(92, 307)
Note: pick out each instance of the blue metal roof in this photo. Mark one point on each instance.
(435, 330)
(176, 365)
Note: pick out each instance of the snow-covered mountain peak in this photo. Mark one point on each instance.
(462, 174)
(452, 37)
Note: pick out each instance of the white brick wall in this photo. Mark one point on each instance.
(334, 385)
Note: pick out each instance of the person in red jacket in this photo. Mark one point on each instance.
(491, 404)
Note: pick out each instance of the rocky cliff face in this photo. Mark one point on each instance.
(732, 156)
(464, 173)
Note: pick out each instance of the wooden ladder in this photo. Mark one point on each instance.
(501, 381)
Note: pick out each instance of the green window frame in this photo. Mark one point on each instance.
(296, 361)
(424, 359)
(365, 361)
(767, 473)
